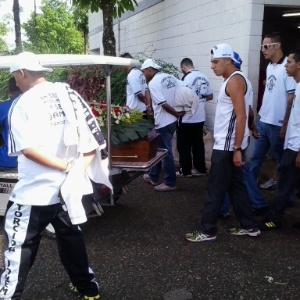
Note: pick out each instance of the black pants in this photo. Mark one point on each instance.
(190, 147)
(288, 178)
(225, 177)
(23, 226)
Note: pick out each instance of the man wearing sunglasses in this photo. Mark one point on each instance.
(290, 167)
(274, 112)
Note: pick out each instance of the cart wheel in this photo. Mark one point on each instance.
(49, 232)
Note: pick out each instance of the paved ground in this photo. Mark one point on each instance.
(138, 252)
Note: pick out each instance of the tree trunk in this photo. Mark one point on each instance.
(108, 39)
(16, 12)
(86, 41)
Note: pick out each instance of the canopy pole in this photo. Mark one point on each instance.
(107, 69)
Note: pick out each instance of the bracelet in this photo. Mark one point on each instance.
(70, 165)
(148, 105)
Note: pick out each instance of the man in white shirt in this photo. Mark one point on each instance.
(189, 132)
(290, 165)
(274, 112)
(162, 89)
(37, 128)
(137, 94)
(231, 135)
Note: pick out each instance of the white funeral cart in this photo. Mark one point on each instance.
(127, 170)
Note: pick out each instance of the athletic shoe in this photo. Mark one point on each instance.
(268, 225)
(196, 173)
(241, 231)
(75, 291)
(91, 297)
(147, 178)
(164, 188)
(180, 174)
(198, 237)
(269, 185)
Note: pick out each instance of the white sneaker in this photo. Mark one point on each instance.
(147, 178)
(164, 188)
(197, 237)
(196, 173)
(180, 174)
(269, 185)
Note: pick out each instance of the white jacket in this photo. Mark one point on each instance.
(186, 100)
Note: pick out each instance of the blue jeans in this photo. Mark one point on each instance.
(165, 142)
(269, 137)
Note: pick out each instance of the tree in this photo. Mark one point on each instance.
(53, 30)
(4, 29)
(81, 22)
(16, 12)
(110, 10)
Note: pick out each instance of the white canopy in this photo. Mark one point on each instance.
(63, 60)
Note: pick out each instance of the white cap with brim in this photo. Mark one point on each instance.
(222, 51)
(150, 63)
(28, 61)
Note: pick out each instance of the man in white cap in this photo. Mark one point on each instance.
(162, 89)
(37, 122)
(231, 139)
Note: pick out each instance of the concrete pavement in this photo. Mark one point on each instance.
(138, 252)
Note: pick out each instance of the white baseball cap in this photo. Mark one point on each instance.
(28, 61)
(150, 63)
(222, 51)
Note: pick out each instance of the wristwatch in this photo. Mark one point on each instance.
(237, 148)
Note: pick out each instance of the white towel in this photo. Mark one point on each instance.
(73, 188)
(77, 182)
(71, 134)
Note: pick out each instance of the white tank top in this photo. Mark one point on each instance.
(225, 118)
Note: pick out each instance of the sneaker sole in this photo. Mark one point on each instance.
(199, 241)
(166, 190)
(249, 234)
(273, 187)
(151, 182)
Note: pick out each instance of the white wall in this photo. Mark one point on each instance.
(173, 29)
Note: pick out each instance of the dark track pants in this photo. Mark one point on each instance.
(288, 179)
(24, 225)
(190, 147)
(225, 177)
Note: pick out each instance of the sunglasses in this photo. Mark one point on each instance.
(267, 46)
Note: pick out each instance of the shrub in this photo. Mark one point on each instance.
(87, 81)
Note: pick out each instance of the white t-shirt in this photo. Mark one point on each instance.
(225, 118)
(292, 138)
(199, 83)
(136, 84)
(278, 86)
(162, 89)
(37, 119)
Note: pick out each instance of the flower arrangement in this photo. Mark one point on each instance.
(126, 124)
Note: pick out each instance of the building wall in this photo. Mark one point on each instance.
(173, 29)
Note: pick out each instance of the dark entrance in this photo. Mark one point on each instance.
(289, 31)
